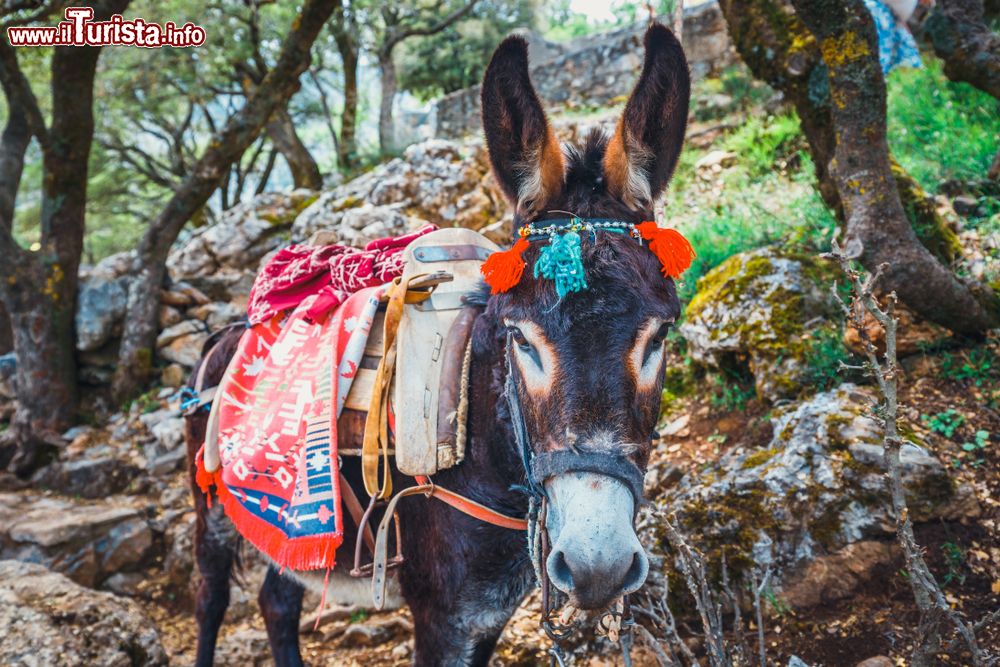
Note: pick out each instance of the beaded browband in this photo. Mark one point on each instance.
(561, 260)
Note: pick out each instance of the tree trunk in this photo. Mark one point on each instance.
(878, 231)
(347, 154)
(6, 333)
(281, 132)
(778, 48)
(40, 293)
(135, 361)
(963, 40)
(13, 144)
(386, 124)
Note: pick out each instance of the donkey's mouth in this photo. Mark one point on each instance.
(596, 557)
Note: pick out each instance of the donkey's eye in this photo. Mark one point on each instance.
(656, 341)
(524, 346)
(519, 339)
(661, 334)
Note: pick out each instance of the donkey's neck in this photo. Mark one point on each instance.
(492, 463)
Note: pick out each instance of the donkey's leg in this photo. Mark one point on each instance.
(215, 551)
(464, 602)
(280, 601)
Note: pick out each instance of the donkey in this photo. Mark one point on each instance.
(586, 369)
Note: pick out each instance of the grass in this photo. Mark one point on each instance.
(940, 130)
(767, 196)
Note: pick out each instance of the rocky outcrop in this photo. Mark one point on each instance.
(46, 619)
(764, 309)
(815, 499)
(433, 181)
(598, 70)
(86, 541)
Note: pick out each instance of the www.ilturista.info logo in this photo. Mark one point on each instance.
(79, 29)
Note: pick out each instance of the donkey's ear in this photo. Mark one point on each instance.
(525, 154)
(643, 152)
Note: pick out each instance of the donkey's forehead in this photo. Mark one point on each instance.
(624, 287)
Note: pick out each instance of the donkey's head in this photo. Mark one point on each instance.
(588, 367)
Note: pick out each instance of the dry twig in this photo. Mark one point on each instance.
(937, 618)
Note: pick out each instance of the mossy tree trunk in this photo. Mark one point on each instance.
(963, 40)
(39, 288)
(823, 56)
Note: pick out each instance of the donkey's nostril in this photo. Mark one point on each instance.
(559, 571)
(637, 572)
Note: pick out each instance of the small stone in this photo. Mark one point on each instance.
(186, 350)
(716, 158)
(877, 661)
(965, 205)
(173, 375)
(169, 316)
(179, 330)
(169, 433)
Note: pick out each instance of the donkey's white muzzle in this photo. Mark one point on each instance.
(596, 557)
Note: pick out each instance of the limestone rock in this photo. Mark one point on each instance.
(761, 307)
(217, 315)
(185, 350)
(100, 308)
(46, 619)
(242, 235)
(816, 490)
(87, 541)
(179, 330)
(95, 475)
(433, 181)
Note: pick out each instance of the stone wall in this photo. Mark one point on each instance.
(598, 70)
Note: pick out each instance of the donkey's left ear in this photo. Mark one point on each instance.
(643, 152)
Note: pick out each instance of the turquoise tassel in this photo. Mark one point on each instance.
(561, 261)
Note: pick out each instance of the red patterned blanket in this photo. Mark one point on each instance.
(279, 479)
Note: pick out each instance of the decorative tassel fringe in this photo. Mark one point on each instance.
(300, 553)
(670, 247)
(502, 270)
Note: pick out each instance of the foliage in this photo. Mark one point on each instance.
(565, 24)
(825, 352)
(944, 423)
(939, 129)
(973, 452)
(731, 392)
(975, 365)
(954, 560)
(456, 57)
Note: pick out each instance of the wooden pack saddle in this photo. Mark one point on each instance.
(424, 367)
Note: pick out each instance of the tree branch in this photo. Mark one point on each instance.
(18, 91)
(963, 40)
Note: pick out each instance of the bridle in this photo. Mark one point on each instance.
(539, 467)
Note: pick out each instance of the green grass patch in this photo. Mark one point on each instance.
(939, 129)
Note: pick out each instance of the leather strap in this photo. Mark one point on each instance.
(376, 427)
(549, 464)
(431, 490)
(471, 507)
(376, 437)
(357, 513)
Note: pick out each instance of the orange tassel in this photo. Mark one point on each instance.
(502, 270)
(670, 247)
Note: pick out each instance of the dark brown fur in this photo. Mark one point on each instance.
(463, 578)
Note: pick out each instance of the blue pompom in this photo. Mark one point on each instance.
(562, 262)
